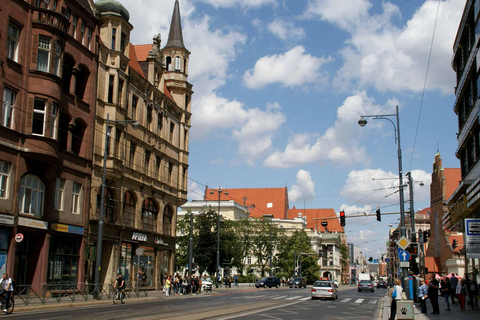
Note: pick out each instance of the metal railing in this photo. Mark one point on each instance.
(43, 294)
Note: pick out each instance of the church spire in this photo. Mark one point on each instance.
(175, 37)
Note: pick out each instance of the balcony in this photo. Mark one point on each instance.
(52, 19)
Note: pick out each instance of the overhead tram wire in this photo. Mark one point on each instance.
(424, 86)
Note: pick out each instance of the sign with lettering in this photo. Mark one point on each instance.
(5, 219)
(32, 223)
(160, 241)
(66, 228)
(139, 236)
(472, 238)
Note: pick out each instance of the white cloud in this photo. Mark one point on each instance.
(338, 143)
(304, 189)
(388, 57)
(278, 69)
(286, 30)
(195, 192)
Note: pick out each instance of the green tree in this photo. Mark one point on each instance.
(266, 237)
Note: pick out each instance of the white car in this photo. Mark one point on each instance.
(206, 286)
(324, 289)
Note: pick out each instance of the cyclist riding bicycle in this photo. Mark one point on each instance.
(120, 284)
(7, 290)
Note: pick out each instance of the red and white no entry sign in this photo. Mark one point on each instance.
(19, 237)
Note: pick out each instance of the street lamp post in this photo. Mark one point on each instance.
(362, 122)
(412, 216)
(271, 251)
(98, 260)
(219, 191)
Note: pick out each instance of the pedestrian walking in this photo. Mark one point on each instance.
(168, 284)
(396, 295)
(422, 293)
(433, 287)
(445, 291)
(461, 292)
(473, 292)
(453, 287)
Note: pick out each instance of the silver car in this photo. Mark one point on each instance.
(324, 289)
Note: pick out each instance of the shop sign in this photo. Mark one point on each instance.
(160, 241)
(6, 219)
(67, 229)
(472, 238)
(139, 236)
(32, 223)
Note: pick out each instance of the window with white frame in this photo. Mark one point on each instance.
(59, 185)
(8, 107)
(13, 40)
(4, 175)
(54, 121)
(38, 122)
(178, 64)
(82, 32)
(74, 26)
(43, 57)
(32, 193)
(58, 58)
(77, 188)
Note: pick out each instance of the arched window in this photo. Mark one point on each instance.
(77, 135)
(149, 215)
(129, 209)
(167, 221)
(68, 64)
(32, 192)
(109, 205)
(169, 64)
(81, 77)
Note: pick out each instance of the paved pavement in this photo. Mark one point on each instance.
(455, 313)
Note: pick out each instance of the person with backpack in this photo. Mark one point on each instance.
(396, 295)
(7, 289)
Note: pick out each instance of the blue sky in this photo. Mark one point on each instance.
(280, 85)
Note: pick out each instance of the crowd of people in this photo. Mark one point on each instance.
(179, 285)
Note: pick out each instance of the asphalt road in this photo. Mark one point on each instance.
(281, 303)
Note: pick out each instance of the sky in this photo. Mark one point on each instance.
(281, 84)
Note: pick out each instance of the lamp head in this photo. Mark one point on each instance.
(362, 122)
(422, 184)
(136, 124)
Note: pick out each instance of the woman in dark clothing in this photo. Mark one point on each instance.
(445, 290)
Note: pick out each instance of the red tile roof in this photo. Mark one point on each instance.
(167, 93)
(134, 61)
(266, 200)
(453, 176)
(433, 264)
(142, 51)
(459, 239)
(333, 224)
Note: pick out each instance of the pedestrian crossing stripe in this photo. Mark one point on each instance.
(359, 300)
(346, 300)
(279, 297)
(293, 298)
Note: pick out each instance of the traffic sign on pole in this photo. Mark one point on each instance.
(404, 256)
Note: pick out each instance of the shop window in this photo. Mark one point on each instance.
(109, 205)
(54, 121)
(67, 72)
(81, 78)
(129, 209)
(13, 41)
(76, 198)
(59, 185)
(32, 192)
(38, 120)
(43, 56)
(8, 107)
(167, 221)
(4, 177)
(63, 260)
(149, 215)
(78, 133)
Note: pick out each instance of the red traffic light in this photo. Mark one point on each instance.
(342, 213)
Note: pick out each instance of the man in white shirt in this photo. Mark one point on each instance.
(7, 289)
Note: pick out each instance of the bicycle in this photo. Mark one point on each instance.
(119, 296)
(10, 306)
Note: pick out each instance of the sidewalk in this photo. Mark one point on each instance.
(455, 312)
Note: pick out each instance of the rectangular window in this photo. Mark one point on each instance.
(38, 122)
(123, 40)
(172, 130)
(13, 40)
(114, 34)
(74, 26)
(158, 166)
(55, 3)
(147, 161)
(170, 171)
(8, 107)
(178, 64)
(159, 123)
(43, 58)
(82, 32)
(134, 107)
(89, 38)
(109, 137)
(59, 184)
(58, 58)
(111, 83)
(66, 13)
(54, 121)
(77, 188)
(46, 4)
(120, 92)
(4, 174)
(133, 146)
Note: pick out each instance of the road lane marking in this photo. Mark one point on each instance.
(281, 297)
(306, 298)
(346, 300)
(359, 300)
(293, 298)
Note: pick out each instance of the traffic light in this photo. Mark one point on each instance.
(379, 217)
(370, 259)
(426, 235)
(454, 243)
(342, 218)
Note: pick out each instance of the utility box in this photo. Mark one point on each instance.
(405, 309)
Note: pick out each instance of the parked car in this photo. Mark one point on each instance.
(297, 283)
(365, 285)
(206, 286)
(381, 284)
(268, 282)
(324, 289)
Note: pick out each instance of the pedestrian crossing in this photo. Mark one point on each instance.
(353, 301)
